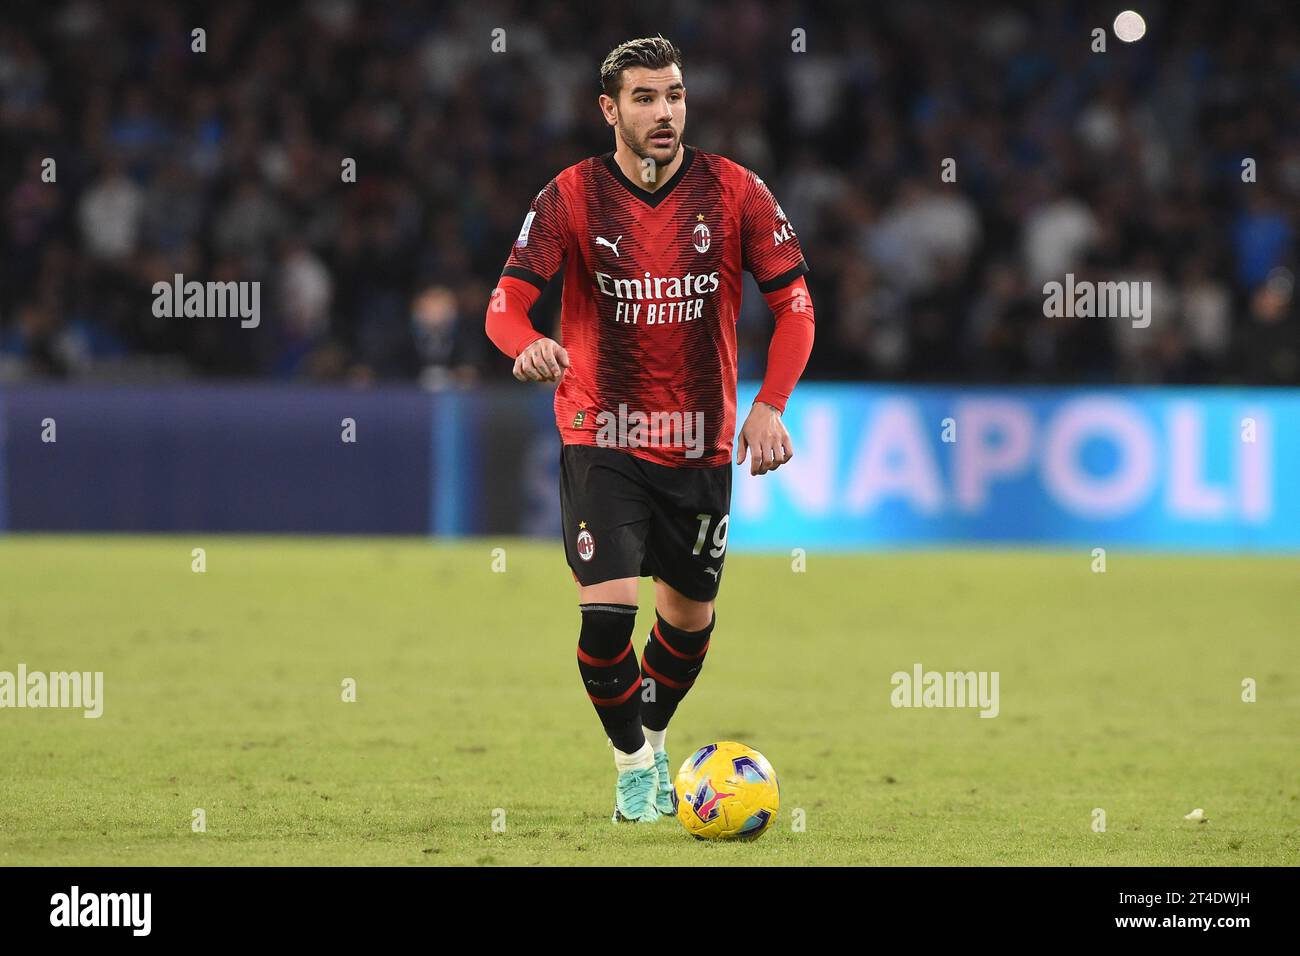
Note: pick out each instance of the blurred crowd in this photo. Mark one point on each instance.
(1174, 160)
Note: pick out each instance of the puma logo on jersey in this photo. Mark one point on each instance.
(712, 572)
(602, 241)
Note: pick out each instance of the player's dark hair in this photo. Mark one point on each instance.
(653, 53)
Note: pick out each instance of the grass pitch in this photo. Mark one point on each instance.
(1120, 691)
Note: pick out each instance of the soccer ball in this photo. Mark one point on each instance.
(727, 791)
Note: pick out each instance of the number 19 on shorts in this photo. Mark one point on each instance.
(719, 535)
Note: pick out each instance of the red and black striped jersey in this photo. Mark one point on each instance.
(652, 290)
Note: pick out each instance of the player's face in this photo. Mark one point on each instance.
(652, 112)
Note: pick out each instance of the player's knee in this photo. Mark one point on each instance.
(606, 632)
(683, 613)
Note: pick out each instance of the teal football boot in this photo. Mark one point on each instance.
(634, 796)
(666, 794)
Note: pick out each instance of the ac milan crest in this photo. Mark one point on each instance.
(586, 545)
(701, 237)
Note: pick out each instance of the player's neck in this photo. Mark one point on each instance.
(630, 163)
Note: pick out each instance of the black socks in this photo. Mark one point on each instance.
(672, 660)
(610, 672)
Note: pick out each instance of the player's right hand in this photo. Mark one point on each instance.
(543, 361)
(765, 439)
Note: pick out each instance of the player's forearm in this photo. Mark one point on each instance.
(508, 325)
(791, 344)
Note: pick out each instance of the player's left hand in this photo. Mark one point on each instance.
(765, 438)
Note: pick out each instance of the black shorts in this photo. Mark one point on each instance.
(625, 517)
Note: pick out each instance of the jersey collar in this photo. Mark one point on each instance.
(651, 199)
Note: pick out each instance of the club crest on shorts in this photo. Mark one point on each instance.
(701, 236)
(586, 544)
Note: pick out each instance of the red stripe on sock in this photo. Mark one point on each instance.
(615, 701)
(660, 678)
(674, 651)
(603, 661)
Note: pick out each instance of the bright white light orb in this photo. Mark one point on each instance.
(1130, 27)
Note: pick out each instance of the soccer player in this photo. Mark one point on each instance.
(652, 238)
